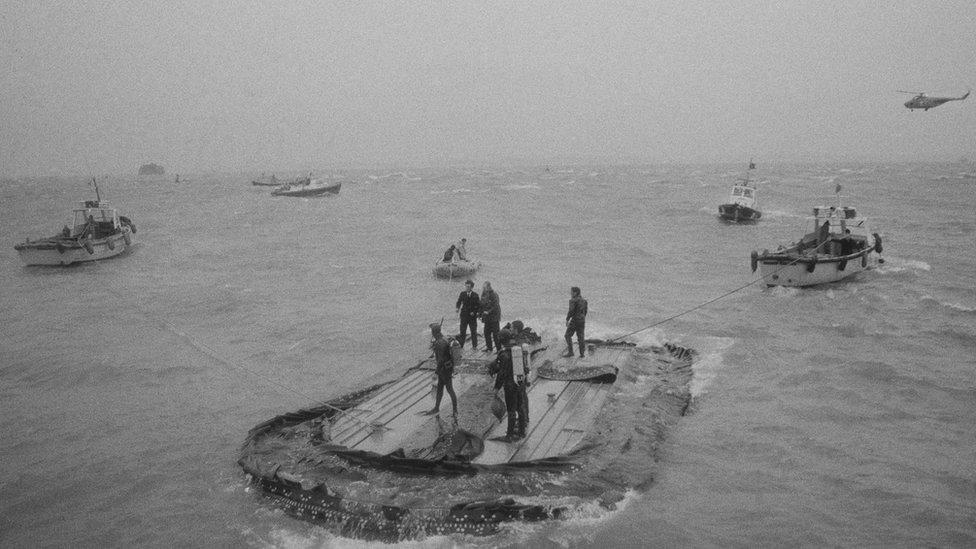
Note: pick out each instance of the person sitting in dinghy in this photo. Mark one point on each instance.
(459, 249)
(449, 254)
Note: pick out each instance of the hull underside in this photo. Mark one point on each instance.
(381, 470)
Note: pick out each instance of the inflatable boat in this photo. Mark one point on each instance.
(456, 268)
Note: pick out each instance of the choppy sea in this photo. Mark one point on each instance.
(842, 416)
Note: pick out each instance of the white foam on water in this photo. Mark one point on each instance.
(781, 214)
(579, 525)
(959, 307)
(709, 362)
(895, 264)
(784, 291)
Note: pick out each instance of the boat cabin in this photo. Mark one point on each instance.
(744, 194)
(837, 231)
(94, 217)
(839, 216)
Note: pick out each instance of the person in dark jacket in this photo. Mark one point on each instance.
(449, 254)
(468, 306)
(576, 321)
(516, 399)
(491, 316)
(444, 370)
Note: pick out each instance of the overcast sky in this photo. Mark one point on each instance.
(198, 86)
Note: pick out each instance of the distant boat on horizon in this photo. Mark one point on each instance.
(151, 169)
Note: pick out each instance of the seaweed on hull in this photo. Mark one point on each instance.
(366, 465)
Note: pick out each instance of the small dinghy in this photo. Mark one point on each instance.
(456, 268)
(372, 465)
(98, 232)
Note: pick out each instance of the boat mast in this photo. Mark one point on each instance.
(95, 187)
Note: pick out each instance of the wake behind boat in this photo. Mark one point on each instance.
(98, 232)
(370, 465)
(837, 248)
(307, 187)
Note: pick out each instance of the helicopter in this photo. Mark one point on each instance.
(922, 101)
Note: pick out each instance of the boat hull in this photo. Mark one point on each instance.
(456, 269)
(60, 252)
(306, 191)
(368, 466)
(795, 271)
(738, 213)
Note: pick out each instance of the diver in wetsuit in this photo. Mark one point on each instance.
(444, 369)
(513, 379)
(576, 322)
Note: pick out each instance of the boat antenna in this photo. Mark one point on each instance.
(94, 186)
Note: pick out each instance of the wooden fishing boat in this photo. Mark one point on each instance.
(742, 206)
(456, 268)
(839, 247)
(307, 187)
(98, 232)
(371, 465)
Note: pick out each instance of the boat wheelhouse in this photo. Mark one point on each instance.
(742, 205)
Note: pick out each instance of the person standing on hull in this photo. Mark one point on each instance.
(491, 316)
(511, 375)
(468, 306)
(576, 322)
(444, 370)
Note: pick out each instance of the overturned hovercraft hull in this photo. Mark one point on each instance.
(368, 466)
